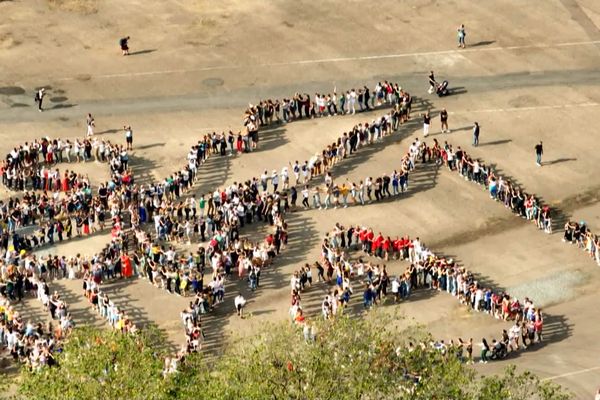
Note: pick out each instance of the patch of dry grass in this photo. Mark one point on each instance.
(75, 6)
(7, 41)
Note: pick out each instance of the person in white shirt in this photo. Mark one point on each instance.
(128, 136)
(305, 195)
(352, 101)
(274, 180)
(263, 180)
(396, 289)
(39, 97)
(240, 303)
(90, 125)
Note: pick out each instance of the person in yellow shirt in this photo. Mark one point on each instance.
(344, 190)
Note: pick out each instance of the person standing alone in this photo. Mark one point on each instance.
(39, 97)
(128, 136)
(476, 134)
(539, 151)
(444, 119)
(461, 36)
(90, 124)
(124, 43)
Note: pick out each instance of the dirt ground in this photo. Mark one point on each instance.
(530, 72)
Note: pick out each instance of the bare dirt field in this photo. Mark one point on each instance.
(530, 72)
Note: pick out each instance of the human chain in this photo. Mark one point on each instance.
(426, 271)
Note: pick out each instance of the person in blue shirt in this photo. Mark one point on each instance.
(367, 297)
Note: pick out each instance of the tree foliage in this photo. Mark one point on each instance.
(100, 364)
(350, 358)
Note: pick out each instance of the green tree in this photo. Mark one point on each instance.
(349, 358)
(100, 364)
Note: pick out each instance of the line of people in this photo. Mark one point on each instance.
(301, 105)
(92, 269)
(32, 166)
(526, 205)
(30, 343)
(120, 193)
(583, 237)
(426, 271)
(473, 169)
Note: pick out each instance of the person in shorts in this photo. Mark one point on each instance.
(444, 119)
(128, 136)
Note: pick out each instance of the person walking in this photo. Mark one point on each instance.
(432, 82)
(91, 123)
(444, 119)
(461, 36)
(476, 134)
(539, 151)
(39, 97)
(426, 122)
(124, 43)
(240, 303)
(485, 348)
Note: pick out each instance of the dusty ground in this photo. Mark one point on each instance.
(530, 72)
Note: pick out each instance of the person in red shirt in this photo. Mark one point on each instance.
(127, 269)
(65, 181)
(269, 239)
(376, 244)
(538, 325)
(369, 240)
(362, 236)
(387, 246)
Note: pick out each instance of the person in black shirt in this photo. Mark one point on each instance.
(124, 45)
(39, 97)
(475, 134)
(539, 150)
(426, 121)
(386, 186)
(366, 97)
(432, 82)
(444, 119)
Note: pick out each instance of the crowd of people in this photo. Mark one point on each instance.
(473, 169)
(68, 200)
(426, 271)
(31, 343)
(219, 215)
(301, 105)
(586, 240)
(33, 166)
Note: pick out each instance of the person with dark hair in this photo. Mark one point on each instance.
(124, 43)
(461, 33)
(475, 134)
(39, 97)
(539, 151)
(444, 120)
(485, 348)
(240, 302)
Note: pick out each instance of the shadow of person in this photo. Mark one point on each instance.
(496, 142)
(558, 161)
(139, 52)
(483, 43)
